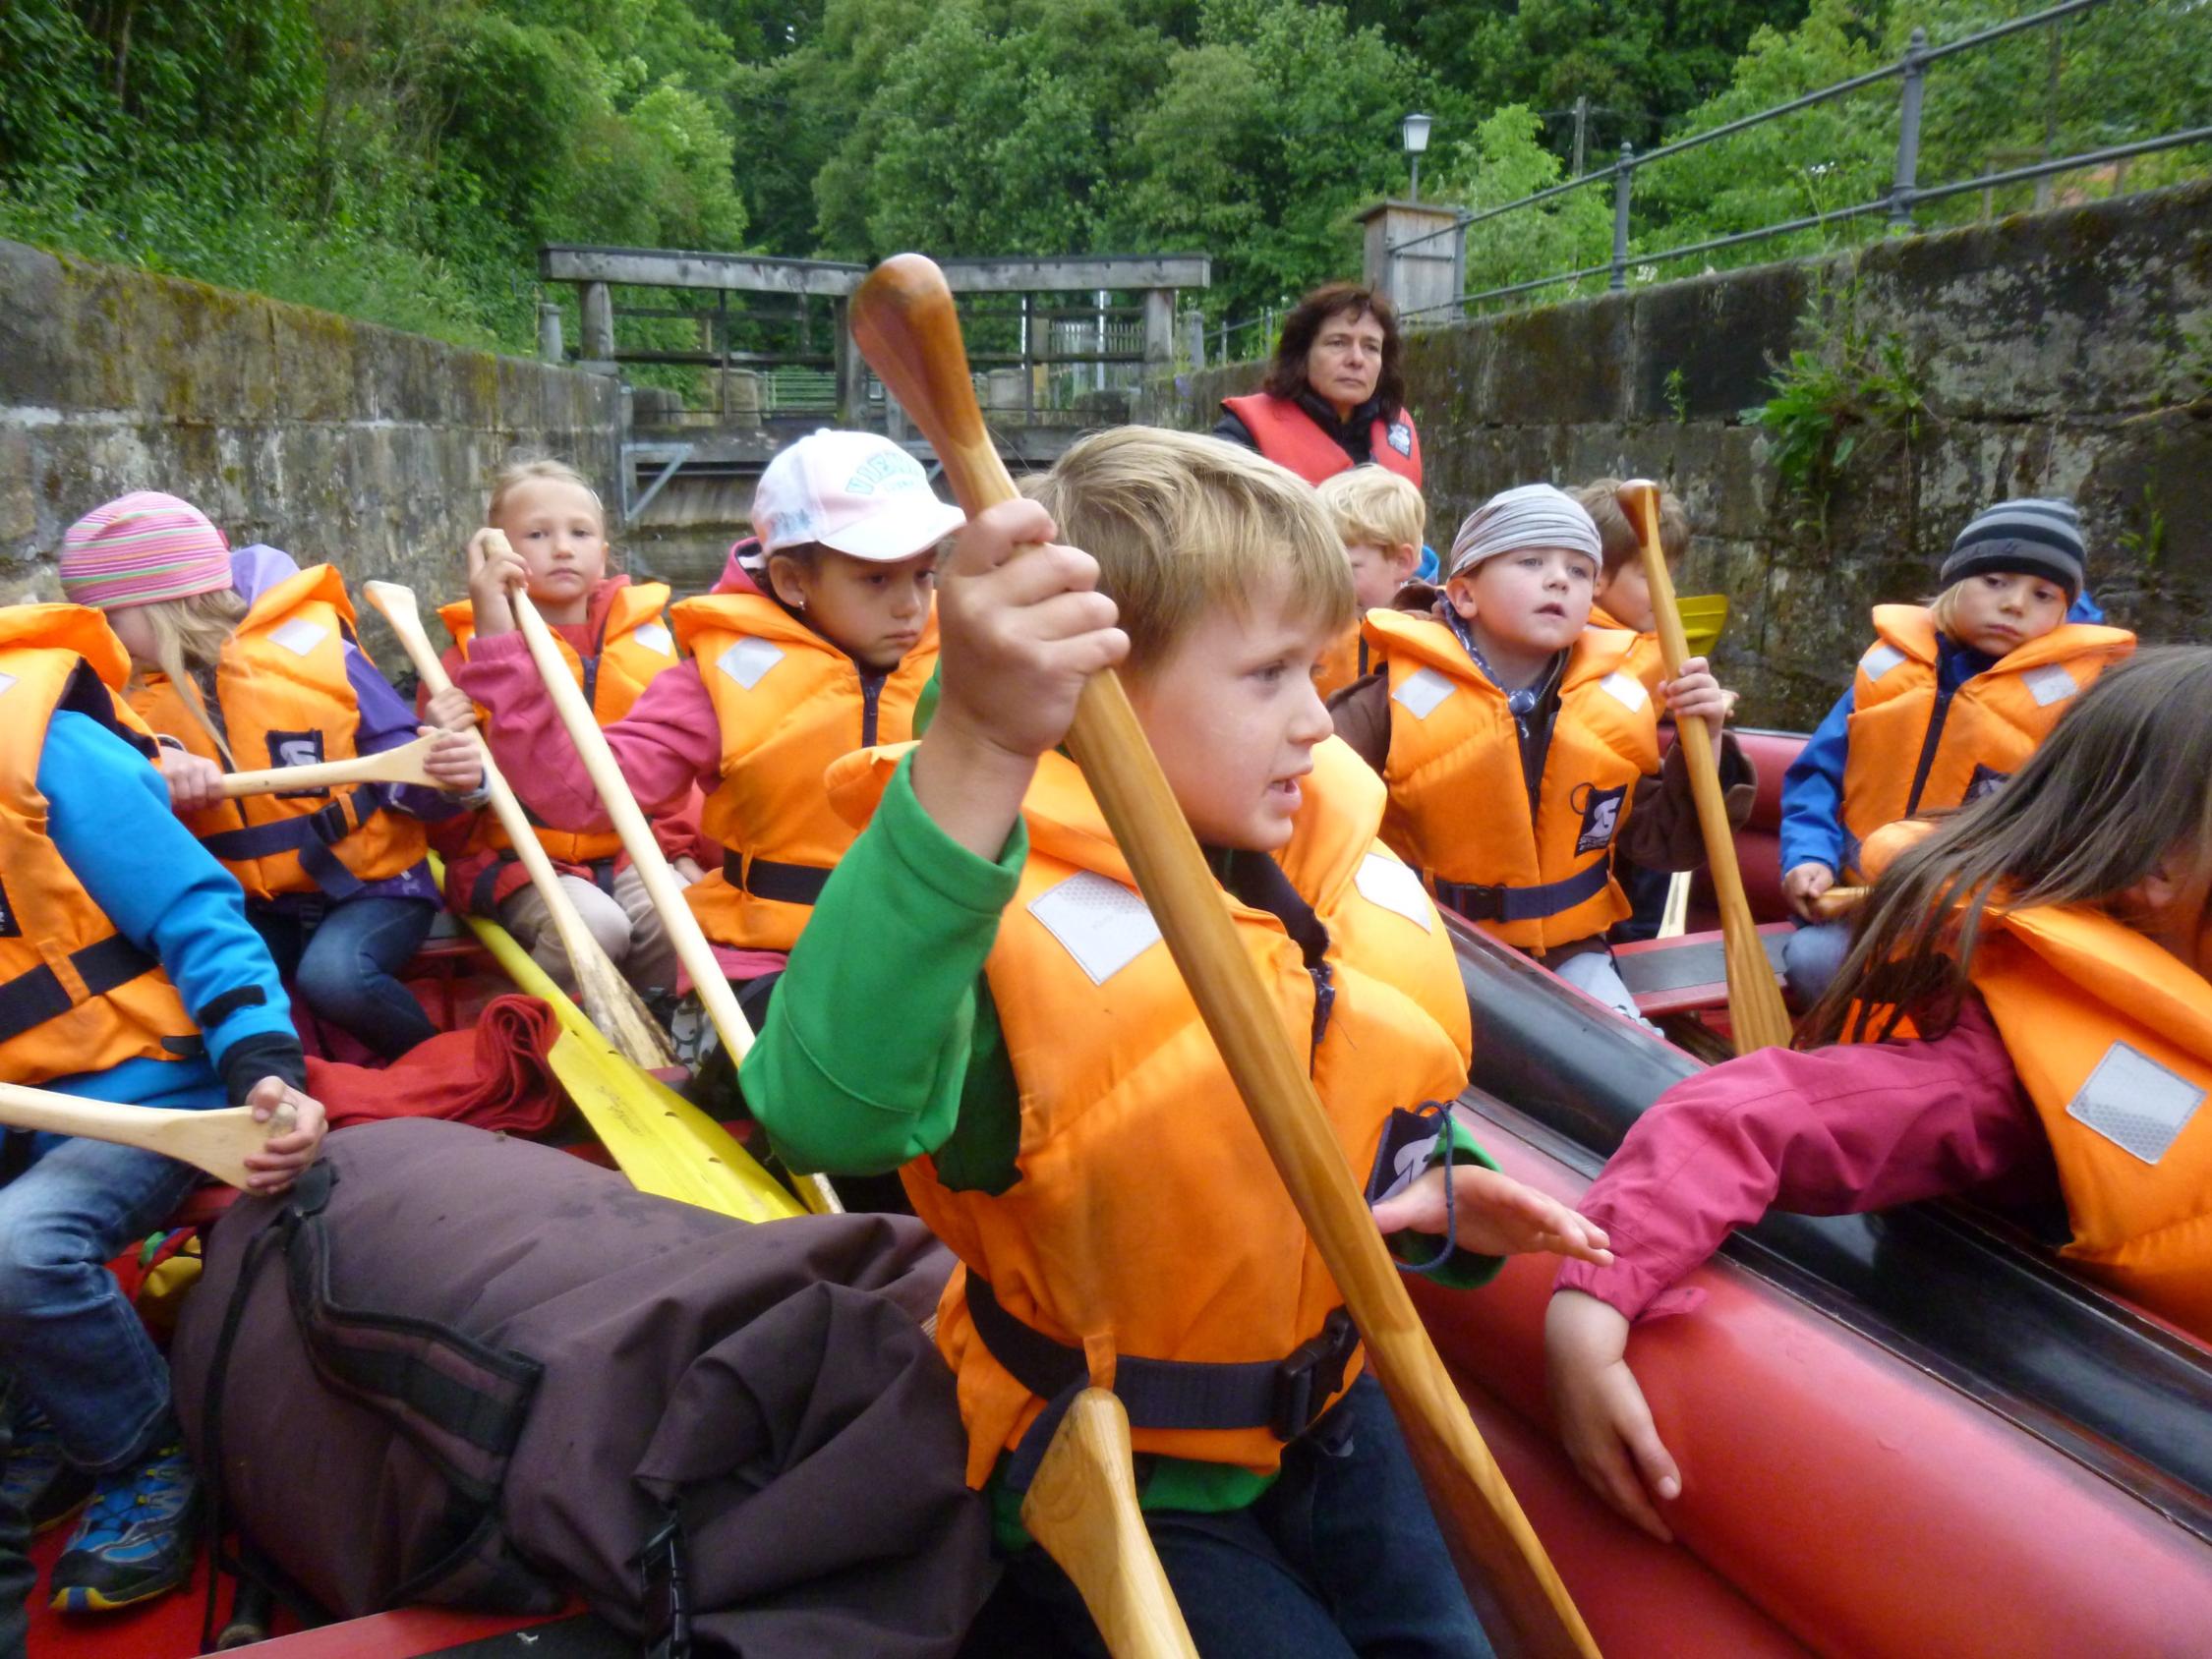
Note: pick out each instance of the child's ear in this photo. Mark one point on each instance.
(1460, 592)
(783, 578)
(1405, 560)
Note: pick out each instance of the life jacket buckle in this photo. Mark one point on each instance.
(664, 1572)
(1309, 1379)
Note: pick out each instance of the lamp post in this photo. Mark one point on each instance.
(1416, 131)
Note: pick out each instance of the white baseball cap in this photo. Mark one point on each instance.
(851, 492)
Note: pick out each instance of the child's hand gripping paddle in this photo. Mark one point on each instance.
(645, 857)
(904, 323)
(217, 1141)
(1755, 1001)
(403, 765)
(607, 997)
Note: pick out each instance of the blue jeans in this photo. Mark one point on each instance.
(1339, 1557)
(344, 966)
(67, 1336)
(1811, 957)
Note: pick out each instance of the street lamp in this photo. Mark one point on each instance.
(1416, 130)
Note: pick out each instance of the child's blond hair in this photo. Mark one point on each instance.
(1623, 541)
(528, 469)
(1376, 507)
(189, 636)
(1181, 524)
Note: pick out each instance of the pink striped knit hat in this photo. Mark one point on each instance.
(141, 547)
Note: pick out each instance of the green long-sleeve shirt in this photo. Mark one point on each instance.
(882, 1045)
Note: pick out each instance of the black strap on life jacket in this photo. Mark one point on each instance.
(1282, 1395)
(36, 995)
(1524, 904)
(765, 878)
(311, 834)
(484, 890)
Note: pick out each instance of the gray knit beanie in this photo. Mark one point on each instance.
(2027, 536)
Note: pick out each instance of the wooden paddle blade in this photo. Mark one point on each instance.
(1498, 1555)
(403, 765)
(217, 1142)
(1757, 1015)
(1081, 1506)
(1838, 903)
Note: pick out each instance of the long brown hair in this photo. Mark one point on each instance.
(2123, 784)
(1286, 375)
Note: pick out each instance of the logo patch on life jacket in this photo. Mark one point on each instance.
(655, 638)
(1987, 780)
(1400, 437)
(1385, 881)
(2049, 684)
(1099, 922)
(299, 636)
(1601, 816)
(9, 928)
(1422, 690)
(296, 749)
(2135, 1103)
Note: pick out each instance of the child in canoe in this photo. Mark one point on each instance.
(612, 634)
(245, 662)
(1521, 749)
(1947, 703)
(985, 1003)
(1380, 519)
(2026, 1015)
(826, 654)
(128, 973)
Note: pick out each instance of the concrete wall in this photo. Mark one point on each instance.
(333, 439)
(2065, 352)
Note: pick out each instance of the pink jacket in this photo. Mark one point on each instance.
(1837, 1131)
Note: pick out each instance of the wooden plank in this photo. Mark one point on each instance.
(656, 268)
(1085, 273)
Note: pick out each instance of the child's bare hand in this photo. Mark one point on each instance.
(195, 782)
(1804, 883)
(1495, 1215)
(450, 710)
(1604, 1420)
(495, 570)
(454, 762)
(1695, 695)
(283, 1156)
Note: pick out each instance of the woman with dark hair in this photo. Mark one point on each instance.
(1334, 395)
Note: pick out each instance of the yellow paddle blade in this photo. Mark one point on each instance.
(664, 1143)
(1704, 615)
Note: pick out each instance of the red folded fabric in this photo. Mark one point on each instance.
(496, 1076)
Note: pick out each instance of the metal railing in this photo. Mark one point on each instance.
(1898, 203)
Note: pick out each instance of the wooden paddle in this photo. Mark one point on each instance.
(650, 864)
(1838, 903)
(403, 765)
(1756, 1014)
(610, 999)
(1081, 1506)
(903, 319)
(215, 1141)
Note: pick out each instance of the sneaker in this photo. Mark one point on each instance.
(37, 1481)
(137, 1540)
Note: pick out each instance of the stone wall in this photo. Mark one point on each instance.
(2065, 352)
(333, 439)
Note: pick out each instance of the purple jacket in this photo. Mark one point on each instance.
(386, 722)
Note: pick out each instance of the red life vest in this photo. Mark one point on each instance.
(1288, 436)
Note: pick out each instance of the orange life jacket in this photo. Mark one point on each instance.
(1535, 874)
(1344, 661)
(1145, 1220)
(632, 644)
(789, 703)
(1287, 435)
(1645, 661)
(1911, 749)
(75, 995)
(282, 699)
(2112, 1038)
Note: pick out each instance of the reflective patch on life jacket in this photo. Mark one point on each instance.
(299, 636)
(1601, 817)
(2049, 684)
(1627, 690)
(1881, 659)
(2135, 1103)
(655, 638)
(1396, 888)
(1099, 922)
(749, 659)
(1423, 689)
(6, 680)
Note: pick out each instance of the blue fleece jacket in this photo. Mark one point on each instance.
(1812, 791)
(108, 814)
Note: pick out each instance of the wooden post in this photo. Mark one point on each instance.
(852, 370)
(1194, 325)
(550, 348)
(1159, 331)
(599, 323)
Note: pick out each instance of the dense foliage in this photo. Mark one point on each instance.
(401, 160)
